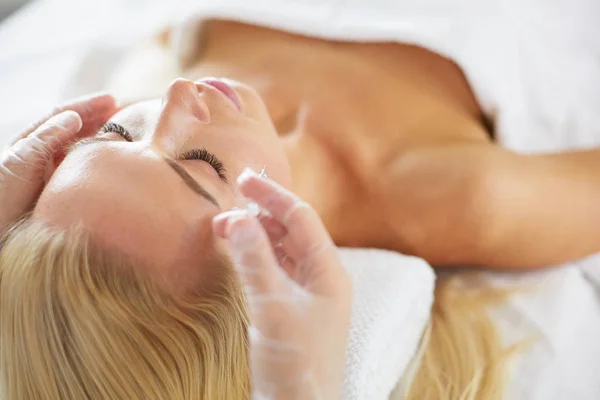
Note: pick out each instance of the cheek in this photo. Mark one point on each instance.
(279, 171)
(272, 159)
(251, 145)
(277, 165)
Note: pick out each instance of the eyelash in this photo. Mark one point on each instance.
(206, 156)
(118, 129)
(197, 154)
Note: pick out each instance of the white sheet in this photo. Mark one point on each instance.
(560, 309)
(42, 48)
(532, 64)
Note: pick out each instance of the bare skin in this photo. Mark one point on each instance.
(386, 141)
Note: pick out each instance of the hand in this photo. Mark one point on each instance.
(297, 291)
(29, 160)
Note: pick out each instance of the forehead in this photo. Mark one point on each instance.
(132, 202)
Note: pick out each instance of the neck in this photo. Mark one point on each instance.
(317, 177)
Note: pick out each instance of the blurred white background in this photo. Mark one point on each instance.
(44, 45)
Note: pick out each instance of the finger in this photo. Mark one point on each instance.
(94, 110)
(315, 263)
(40, 146)
(275, 230)
(287, 264)
(252, 254)
(93, 107)
(306, 232)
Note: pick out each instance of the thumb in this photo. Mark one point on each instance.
(253, 256)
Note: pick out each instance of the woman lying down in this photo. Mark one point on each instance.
(118, 283)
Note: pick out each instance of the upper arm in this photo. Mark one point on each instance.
(441, 203)
(481, 205)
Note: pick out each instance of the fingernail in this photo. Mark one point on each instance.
(253, 209)
(237, 212)
(242, 231)
(101, 103)
(98, 95)
(66, 119)
(246, 174)
(220, 221)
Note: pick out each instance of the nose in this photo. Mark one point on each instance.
(181, 105)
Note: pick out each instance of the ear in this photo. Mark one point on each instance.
(186, 41)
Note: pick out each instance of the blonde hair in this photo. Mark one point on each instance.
(80, 321)
(462, 356)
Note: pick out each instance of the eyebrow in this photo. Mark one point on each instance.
(187, 178)
(191, 182)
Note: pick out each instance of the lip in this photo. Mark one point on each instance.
(225, 89)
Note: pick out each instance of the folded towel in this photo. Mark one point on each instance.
(392, 301)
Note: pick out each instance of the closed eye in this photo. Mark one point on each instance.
(118, 129)
(210, 158)
(195, 154)
(109, 127)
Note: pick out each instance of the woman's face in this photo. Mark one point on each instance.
(119, 186)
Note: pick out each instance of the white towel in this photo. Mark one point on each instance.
(393, 295)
